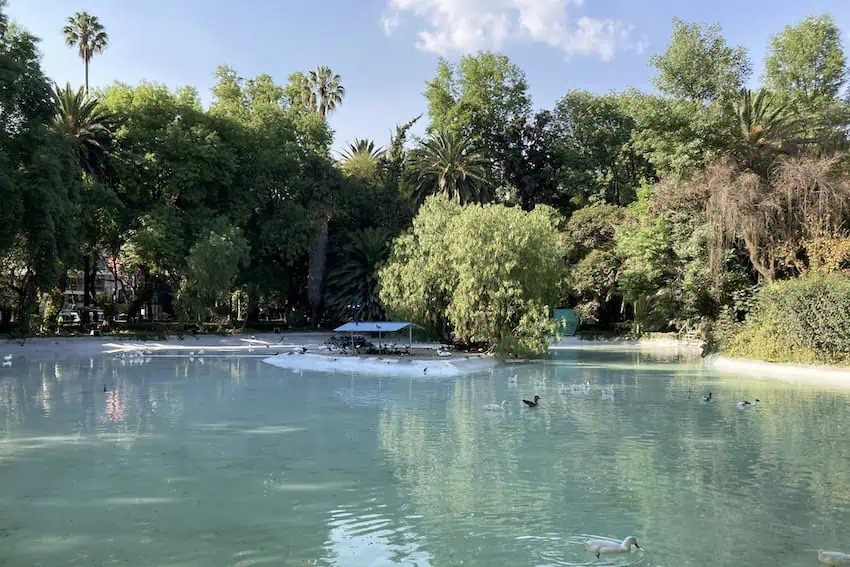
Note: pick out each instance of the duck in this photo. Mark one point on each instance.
(7, 358)
(496, 407)
(201, 352)
(7, 363)
(604, 546)
(707, 398)
(531, 404)
(513, 380)
(147, 352)
(747, 405)
(444, 353)
(833, 558)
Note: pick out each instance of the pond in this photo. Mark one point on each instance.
(233, 462)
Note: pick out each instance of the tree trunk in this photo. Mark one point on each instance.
(316, 271)
(86, 288)
(93, 280)
(87, 76)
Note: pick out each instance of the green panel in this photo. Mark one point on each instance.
(567, 322)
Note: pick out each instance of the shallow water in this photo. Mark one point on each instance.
(234, 462)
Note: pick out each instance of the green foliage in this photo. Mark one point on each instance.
(806, 63)
(448, 163)
(353, 283)
(84, 121)
(801, 320)
(211, 270)
(699, 65)
(485, 275)
(592, 137)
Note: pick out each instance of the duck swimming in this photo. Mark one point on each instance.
(530, 403)
(833, 558)
(604, 546)
(707, 398)
(747, 405)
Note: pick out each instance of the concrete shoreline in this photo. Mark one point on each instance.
(790, 373)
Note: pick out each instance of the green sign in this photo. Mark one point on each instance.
(567, 322)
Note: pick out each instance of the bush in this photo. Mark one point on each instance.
(803, 320)
(485, 275)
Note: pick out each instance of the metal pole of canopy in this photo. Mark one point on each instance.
(410, 335)
(380, 346)
(352, 340)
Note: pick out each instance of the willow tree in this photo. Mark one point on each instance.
(804, 199)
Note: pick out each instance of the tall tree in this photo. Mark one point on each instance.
(481, 98)
(327, 90)
(807, 64)
(448, 163)
(86, 33)
(699, 64)
(593, 138)
(37, 175)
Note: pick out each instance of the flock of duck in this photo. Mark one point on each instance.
(586, 387)
(601, 547)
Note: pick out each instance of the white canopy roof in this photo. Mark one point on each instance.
(375, 327)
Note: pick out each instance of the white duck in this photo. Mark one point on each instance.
(833, 558)
(513, 380)
(747, 405)
(443, 353)
(7, 358)
(496, 407)
(605, 547)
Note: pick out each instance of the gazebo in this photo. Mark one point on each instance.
(379, 327)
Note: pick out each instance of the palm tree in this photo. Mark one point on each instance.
(86, 32)
(362, 147)
(353, 284)
(446, 162)
(765, 127)
(362, 159)
(327, 90)
(81, 118)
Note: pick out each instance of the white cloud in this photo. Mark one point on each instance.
(465, 26)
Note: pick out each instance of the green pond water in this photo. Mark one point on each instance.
(234, 463)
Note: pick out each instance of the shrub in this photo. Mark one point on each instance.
(485, 275)
(806, 320)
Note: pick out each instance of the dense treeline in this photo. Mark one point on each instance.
(665, 211)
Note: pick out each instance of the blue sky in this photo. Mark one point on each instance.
(385, 50)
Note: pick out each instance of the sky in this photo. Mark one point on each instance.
(385, 50)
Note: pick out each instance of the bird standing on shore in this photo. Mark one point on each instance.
(533, 404)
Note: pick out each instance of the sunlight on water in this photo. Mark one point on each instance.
(234, 462)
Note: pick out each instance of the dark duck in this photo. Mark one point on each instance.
(531, 404)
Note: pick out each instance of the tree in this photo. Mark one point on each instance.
(698, 64)
(480, 98)
(327, 90)
(353, 282)
(766, 128)
(211, 271)
(592, 137)
(86, 33)
(806, 64)
(447, 162)
(806, 198)
(481, 275)
(362, 159)
(39, 178)
(81, 118)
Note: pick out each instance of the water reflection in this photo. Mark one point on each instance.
(112, 463)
